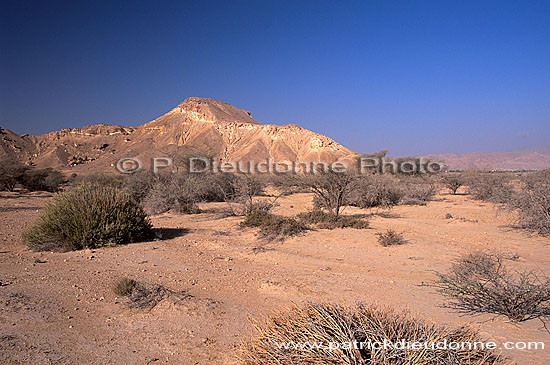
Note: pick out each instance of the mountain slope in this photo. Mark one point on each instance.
(197, 125)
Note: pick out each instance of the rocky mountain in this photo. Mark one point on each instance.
(213, 128)
(197, 125)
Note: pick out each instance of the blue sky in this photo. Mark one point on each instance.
(414, 77)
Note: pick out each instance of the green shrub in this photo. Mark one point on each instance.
(481, 283)
(391, 238)
(88, 216)
(273, 226)
(330, 221)
(325, 334)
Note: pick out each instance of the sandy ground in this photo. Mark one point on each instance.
(60, 307)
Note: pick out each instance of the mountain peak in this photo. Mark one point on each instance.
(214, 110)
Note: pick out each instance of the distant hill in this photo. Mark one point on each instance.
(521, 160)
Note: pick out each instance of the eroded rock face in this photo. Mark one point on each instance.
(198, 125)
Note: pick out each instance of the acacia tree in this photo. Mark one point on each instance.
(453, 182)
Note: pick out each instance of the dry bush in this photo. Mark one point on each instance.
(304, 336)
(387, 191)
(172, 192)
(330, 221)
(140, 183)
(532, 202)
(314, 217)
(187, 206)
(417, 190)
(180, 192)
(243, 199)
(273, 226)
(88, 216)
(481, 283)
(491, 187)
(391, 238)
(376, 191)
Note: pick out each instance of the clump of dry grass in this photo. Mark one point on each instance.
(124, 286)
(330, 221)
(391, 238)
(305, 334)
(481, 283)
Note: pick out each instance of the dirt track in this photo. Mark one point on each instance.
(60, 307)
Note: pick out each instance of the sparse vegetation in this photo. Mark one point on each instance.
(273, 226)
(88, 216)
(330, 221)
(327, 324)
(391, 238)
(481, 283)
